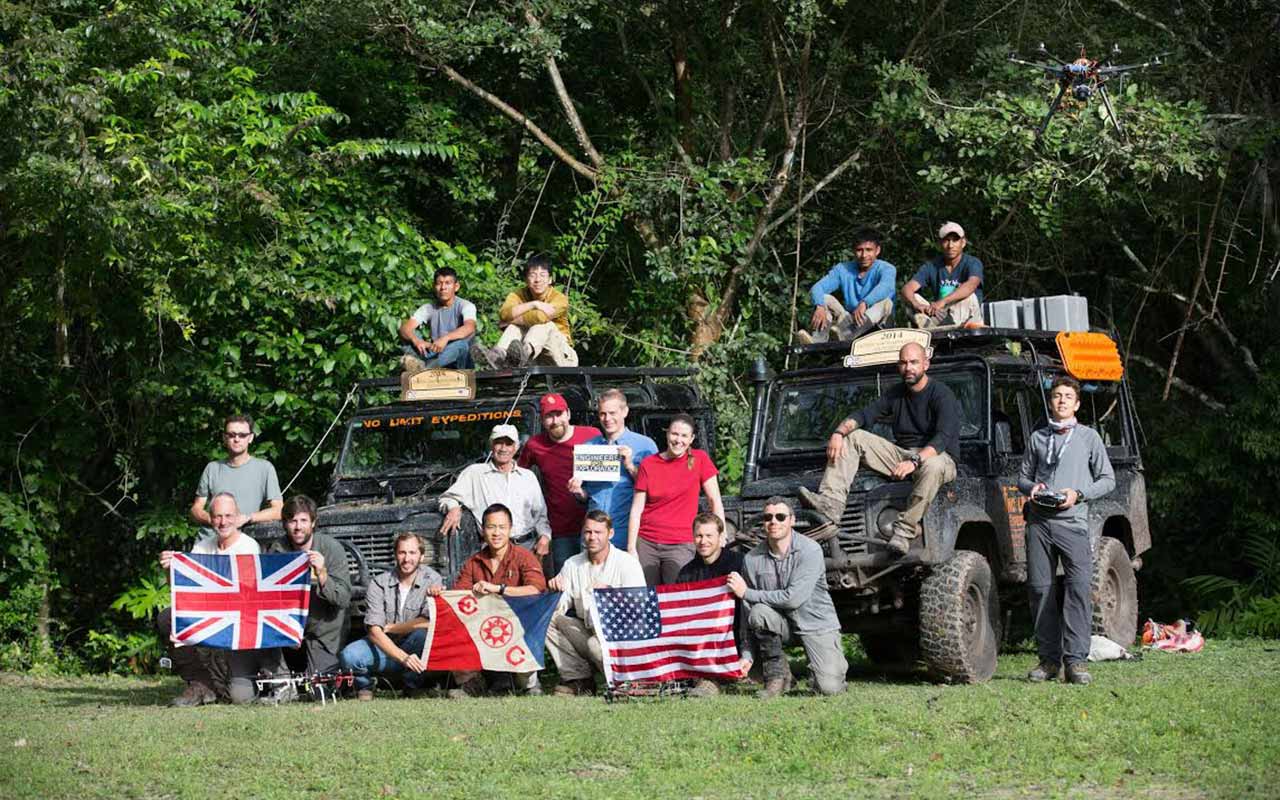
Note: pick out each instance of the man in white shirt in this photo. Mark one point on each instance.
(500, 480)
(572, 640)
(212, 674)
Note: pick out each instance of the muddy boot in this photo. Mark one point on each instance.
(1044, 671)
(802, 337)
(519, 354)
(773, 665)
(816, 502)
(705, 688)
(482, 356)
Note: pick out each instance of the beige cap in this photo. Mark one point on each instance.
(949, 228)
(505, 432)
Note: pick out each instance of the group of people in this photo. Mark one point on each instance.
(534, 320)
(867, 285)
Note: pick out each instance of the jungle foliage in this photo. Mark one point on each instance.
(213, 206)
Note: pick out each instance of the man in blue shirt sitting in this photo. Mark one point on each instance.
(954, 278)
(866, 284)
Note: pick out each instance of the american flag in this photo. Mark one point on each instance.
(240, 602)
(680, 630)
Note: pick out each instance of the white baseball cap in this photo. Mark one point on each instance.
(949, 228)
(505, 432)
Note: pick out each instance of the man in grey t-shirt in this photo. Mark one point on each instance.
(451, 322)
(251, 481)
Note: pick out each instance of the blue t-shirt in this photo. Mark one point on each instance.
(876, 285)
(614, 498)
(935, 278)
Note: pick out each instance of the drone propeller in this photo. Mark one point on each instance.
(1113, 70)
(1048, 68)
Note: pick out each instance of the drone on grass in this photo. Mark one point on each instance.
(1084, 78)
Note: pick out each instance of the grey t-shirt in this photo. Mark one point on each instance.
(445, 320)
(252, 483)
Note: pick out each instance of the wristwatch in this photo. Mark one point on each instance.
(1079, 496)
(914, 458)
(502, 588)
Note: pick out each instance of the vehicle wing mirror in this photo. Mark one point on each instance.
(1002, 438)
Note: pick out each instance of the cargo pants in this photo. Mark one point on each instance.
(881, 456)
(841, 327)
(1062, 631)
(545, 342)
(967, 310)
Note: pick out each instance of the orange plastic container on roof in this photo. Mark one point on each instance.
(1090, 356)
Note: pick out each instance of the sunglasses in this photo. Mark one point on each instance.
(779, 517)
(237, 434)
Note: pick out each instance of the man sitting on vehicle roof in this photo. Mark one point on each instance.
(452, 322)
(500, 480)
(866, 284)
(954, 276)
(925, 415)
(535, 320)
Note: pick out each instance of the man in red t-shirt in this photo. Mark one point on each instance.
(552, 453)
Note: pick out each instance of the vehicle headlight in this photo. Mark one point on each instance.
(730, 528)
(885, 519)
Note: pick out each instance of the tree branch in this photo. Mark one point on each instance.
(911, 46)
(1133, 12)
(817, 187)
(1180, 384)
(566, 102)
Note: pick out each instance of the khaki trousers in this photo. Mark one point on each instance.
(881, 456)
(575, 648)
(842, 327)
(545, 341)
(967, 310)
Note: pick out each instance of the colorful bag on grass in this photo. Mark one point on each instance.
(1179, 637)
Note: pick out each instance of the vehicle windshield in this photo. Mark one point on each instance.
(805, 414)
(421, 442)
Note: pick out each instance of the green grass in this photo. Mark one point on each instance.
(1170, 726)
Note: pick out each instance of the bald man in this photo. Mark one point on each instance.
(925, 416)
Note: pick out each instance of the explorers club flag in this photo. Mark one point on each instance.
(240, 602)
(494, 632)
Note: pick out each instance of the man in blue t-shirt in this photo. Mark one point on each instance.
(954, 278)
(866, 284)
(614, 497)
(451, 322)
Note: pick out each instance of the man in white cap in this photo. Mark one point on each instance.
(500, 480)
(954, 277)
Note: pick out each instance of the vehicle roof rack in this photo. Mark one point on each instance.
(555, 376)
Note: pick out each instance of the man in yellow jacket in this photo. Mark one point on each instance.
(535, 322)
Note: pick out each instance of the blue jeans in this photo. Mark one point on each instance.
(364, 659)
(562, 549)
(456, 355)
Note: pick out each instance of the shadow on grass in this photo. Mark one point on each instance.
(61, 695)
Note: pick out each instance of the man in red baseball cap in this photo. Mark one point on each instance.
(552, 453)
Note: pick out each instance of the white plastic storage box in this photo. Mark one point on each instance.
(1063, 312)
(1003, 314)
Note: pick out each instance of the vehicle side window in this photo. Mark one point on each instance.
(1008, 406)
(1100, 410)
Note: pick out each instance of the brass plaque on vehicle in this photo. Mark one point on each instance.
(882, 347)
(438, 384)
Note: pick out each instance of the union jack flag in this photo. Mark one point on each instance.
(240, 602)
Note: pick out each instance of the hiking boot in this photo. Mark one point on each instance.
(898, 544)
(481, 356)
(195, 694)
(923, 320)
(775, 687)
(705, 688)
(412, 365)
(1044, 671)
(818, 503)
(472, 688)
(364, 695)
(802, 337)
(519, 354)
(574, 688)
(1078, 674)
(533, 690)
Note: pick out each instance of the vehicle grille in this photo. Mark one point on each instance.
(853, 525)
(376, 547)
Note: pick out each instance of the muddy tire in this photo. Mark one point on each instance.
(893, 651)
(960, 619)
(1114, 591)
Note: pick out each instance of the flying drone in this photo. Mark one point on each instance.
(1084, 78)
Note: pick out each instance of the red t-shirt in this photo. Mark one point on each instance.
(671, 495)
(555, 461)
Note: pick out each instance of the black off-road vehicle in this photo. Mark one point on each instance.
(941, 602)
(399, 457)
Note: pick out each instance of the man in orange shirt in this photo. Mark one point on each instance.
(504, 569)
(536, 322)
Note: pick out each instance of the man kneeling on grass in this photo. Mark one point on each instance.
(504, 569)
(784, 581)
(573, 642)
(396, 617)
(712, 560)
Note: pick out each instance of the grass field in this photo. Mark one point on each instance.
(1169, 726)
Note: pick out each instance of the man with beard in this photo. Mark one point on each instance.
(500, 480)
(552, 453)
(330, 586)
(925, 416)
(396, 617)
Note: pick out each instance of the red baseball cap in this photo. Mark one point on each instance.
(552, 403)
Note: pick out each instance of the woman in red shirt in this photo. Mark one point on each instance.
(660, 529)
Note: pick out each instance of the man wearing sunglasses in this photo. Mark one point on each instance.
(251, 481)
(784, 582)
